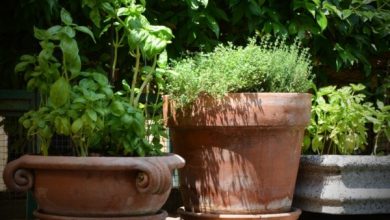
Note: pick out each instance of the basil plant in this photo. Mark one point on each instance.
(82, 103)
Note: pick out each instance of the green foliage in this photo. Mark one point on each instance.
(340, 118)
(340, 33)
(268, 67)
(381, 124)
(83, 104)
(45, 72)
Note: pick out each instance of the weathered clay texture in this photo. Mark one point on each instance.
(338, 184)
(293, 215)
(242, 152)
(94, 186)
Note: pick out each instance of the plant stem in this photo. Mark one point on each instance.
(147, 100)
(44, 145)
(376, 144)
(135, 75)
(82, 150)
(45, 151)
(114, 61)
(77, 150)
(146, 82)
(156, 101)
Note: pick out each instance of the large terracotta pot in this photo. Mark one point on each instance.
(242, 152)
(94, 186)
(344, 184)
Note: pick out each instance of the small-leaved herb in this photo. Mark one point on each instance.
(267, 67)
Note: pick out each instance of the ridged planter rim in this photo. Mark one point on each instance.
(345, 161)
(91, 162)
(343, 184)
(244, 107)
(19, 177)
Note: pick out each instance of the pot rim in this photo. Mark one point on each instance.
(346, 161)
(96, 163)
(241, 110)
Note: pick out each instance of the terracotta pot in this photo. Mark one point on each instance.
(344, 184)
(242, 152)
(94, 186)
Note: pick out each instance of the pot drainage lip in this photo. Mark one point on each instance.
(161, 214)
(293, 214)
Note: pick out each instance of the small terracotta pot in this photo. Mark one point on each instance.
(242, 152)
(94, 186)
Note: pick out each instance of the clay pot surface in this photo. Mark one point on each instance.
(94, 186)
(242, 152)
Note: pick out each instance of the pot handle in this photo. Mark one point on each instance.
(17, 178)
(153, 177)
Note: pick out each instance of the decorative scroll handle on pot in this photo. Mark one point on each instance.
(17, 177)
(155, 176)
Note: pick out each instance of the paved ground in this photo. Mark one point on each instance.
(15, 210)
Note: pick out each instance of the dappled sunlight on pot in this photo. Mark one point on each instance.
(242, 152)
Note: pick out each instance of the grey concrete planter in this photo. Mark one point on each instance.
(337, 184)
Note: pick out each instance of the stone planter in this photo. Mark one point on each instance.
(98, 187)
(337, 184)
(242, 152)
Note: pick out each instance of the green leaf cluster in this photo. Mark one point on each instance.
(267, 67)
(381, 124)
(340, 119)
(47, 72)
(83, 104)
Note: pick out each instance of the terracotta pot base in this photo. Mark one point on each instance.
(293, 215)
(162, 214)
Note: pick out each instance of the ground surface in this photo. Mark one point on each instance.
(15, 209)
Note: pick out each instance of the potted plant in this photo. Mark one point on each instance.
(334, 177)
(236, 115)
(121, 171)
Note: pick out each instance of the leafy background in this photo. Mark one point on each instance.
(342, 34)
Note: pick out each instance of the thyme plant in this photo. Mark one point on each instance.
(267, 67)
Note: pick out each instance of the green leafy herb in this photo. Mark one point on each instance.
(268, 67)
(83, 104)
(340, 118)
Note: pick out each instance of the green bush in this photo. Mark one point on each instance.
(340, 34)
(267, 67)
(340, 121)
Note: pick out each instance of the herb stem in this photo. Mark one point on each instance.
(135, 75)
(114, 61)
(146, 81)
